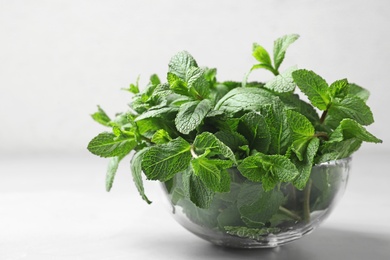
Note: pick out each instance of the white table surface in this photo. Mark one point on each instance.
(55, 207)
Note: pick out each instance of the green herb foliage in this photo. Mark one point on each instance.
(235, 142)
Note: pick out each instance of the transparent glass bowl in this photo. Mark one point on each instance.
(249, 217)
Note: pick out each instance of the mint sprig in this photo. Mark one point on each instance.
(236, 144)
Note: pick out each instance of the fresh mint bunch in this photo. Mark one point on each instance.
(198, 129)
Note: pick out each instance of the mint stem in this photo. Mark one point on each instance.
(306, 201)
(323, 116)
(290, 213)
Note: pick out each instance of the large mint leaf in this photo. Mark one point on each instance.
(197, 191)
(162, 162)
(351, 107)
(280, 46)
(157, 113)
(212, 173)
(101, 117)
(109, 145)
(283, 82)
(305, 165)
(136, 171)
(276, 118)
(348, 129)
(191, 115)
(207, 143)
(181, 63)
(246, 99)
(254, 127)
(314, 87)
(256, 205)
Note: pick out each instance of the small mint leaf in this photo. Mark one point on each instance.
(191, 115)
(161, 137)
(339, 88)
(181, 63)
(280, 46)
(198, 85)
(163, 161)
(177, 84)
(101, 117)
(314, 87)
(198, 192)
(111, 171)
(136, 171)
(261, 54)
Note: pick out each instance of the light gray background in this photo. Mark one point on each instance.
(59, 59)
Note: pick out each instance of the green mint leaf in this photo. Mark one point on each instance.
(245, 99)
(232, 139)
(163, 112)
(251, 233)
(339, 88)
(154, 80)
(181, 63)
(305, 165)
(254, 127)
(261, 54)
(348, 129)
(213, 173)
(260, 167)
(280, 46)
(338, 150)
(360, 92)
(207, 172)
(163, 161)
(108, 145)
(101, 117)
(293, 102)
(191, 115)
(198, 192)
(111, 171)
(161, 137)
(136, 171)
(302, 132)
(351, 107)
(207, 142)
(177, 84)
(257, 205)
(283, 82)
(276, 118)
(229, 216)
(314, 87)
(198, 86)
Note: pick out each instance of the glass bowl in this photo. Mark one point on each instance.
(249, 217)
